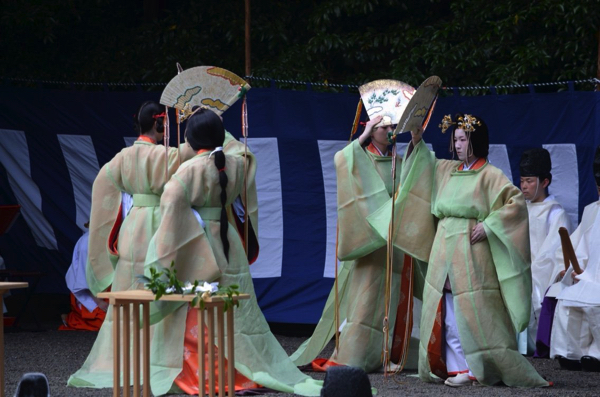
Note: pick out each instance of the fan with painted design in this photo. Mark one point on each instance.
(207, 86)
(418, 111)
(386, 98)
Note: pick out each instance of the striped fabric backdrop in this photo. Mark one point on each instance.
(52, 144)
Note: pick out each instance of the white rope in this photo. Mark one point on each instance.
(306, 83)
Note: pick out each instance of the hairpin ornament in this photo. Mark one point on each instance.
(468, 123)
(446, 123)
(186, 112)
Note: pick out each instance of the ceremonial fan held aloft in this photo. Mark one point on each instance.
(211, 88)
(408, 109)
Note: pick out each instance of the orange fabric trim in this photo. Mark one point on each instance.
(187, 380)
(480, 162)
(203, 151)
(322, 364)
(81, 319)
(146, 139)
(405, 306)
(435, 347)
(371, 148)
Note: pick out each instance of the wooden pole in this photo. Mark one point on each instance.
(247, 23)
(1, 344)
(136, 349)
(201, 340)
(221, 349)
(598, 65)
(116, 348)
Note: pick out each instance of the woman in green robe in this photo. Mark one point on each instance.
(124, 216)
(211, 249)
(469, 222)
(364, 184)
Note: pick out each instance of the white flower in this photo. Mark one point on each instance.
(203, 286)
(208, 287)
(170, 290)
(187, 288)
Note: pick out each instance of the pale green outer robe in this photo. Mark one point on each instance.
(491, 280)
(141, 170)
(198, 255)
(364, 184)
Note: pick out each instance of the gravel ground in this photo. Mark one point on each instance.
(60, 353)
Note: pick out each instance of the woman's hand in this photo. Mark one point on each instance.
(478, 233)
(368, 128)
(417, 136)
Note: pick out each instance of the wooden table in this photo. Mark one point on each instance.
(5, 287)
(136, 298)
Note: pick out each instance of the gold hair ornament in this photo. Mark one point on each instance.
(468, 123)
(187, 112)
(446, 123)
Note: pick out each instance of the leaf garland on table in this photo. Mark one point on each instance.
(165, 282)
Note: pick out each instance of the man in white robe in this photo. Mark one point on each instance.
(546, 216)
(576, 330)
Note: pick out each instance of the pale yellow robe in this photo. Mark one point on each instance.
(142, 171)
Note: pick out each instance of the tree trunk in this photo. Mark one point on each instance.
(247, 22)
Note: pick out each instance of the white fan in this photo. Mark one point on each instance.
(386, 98)
(207, 86)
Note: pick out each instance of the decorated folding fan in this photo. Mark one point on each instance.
(387, 98)
(207, 86)
(418, 110)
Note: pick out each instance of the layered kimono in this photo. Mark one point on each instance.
(576, 327)
(364, 185)
(545, 218)
(437, 207)
(197, 251)
(119, 237)
(85, 313)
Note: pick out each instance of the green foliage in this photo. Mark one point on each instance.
(465, 42)
(226, 293)
(165, 282)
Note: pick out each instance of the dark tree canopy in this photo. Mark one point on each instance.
(465, 42)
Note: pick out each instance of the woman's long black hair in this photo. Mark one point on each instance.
(205, 131)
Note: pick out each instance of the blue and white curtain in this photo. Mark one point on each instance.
(52, 144)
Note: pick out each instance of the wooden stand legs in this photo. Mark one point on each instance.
(122, 337)
(212, 308)
(210, 325)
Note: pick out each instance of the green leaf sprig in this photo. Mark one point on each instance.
(165, 282)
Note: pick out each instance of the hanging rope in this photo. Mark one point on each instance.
(245, 135)
(178, 119)
(389, 267)
(336, 312)
(304, 83)
(166, 142)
